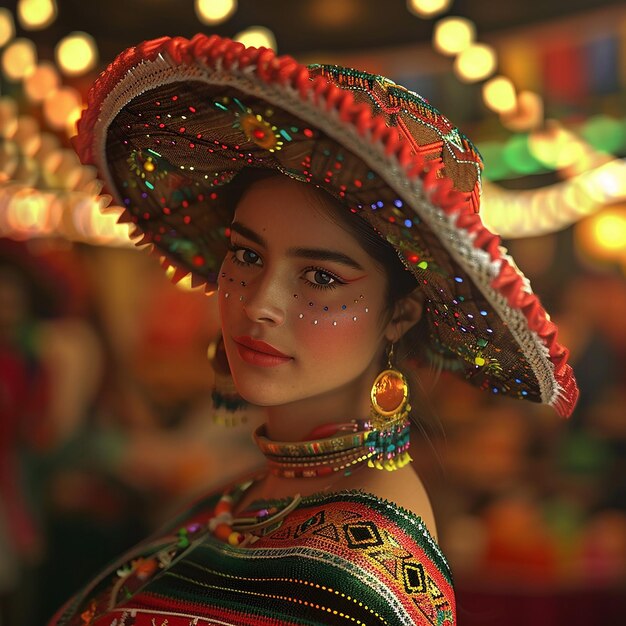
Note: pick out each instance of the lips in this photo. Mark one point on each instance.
(259, 353)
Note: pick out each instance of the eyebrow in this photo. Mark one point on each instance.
(323, 254)
(315, 254)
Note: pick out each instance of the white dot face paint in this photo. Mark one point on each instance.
(299, 288)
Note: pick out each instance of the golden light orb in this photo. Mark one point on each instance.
(19, 59)
(555, 147)
(36, 14)
(477, 62)
(41, 82)
(427, 8)
(527, 115)
(8, 117)
(7, 26)
(603, 235)
(453, 34)
(60, 107)
(610, 230)
(215, 11)
(257, 37)
(499, 94)
(76, 53)
(27, 211)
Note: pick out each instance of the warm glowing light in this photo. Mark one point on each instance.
(215, 11)
(36, 14)
(8, 117)
(528, 113)
(333, 14)
(28, 211)
(453, 34)
(556, 147)
(19, 59)
(428, 8)
(606, 183)
(41, 82)
(60, 107)
(7, 26)
(610, 230)
(603, 235)
(9, 158)
(476, 62)
(27, 135)
(93, 225)
(184, 283)
(76, 53)
(257, 37)
(499, 94)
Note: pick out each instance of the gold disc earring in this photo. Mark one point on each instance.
(390, 408)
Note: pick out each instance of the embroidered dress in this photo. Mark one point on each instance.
(343, 558)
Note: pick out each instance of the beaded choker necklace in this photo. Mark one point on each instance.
(332, 448)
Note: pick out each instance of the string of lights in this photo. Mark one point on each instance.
(45, 191)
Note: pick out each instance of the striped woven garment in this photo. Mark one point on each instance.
(346, 558)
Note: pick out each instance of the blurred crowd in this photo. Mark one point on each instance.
(107, 428)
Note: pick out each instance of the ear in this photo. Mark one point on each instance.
(406, 313)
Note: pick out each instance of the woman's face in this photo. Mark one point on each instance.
(302, 304)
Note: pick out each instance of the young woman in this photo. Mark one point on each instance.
(336, 214)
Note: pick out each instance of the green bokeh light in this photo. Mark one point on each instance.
(518, 157)
(496, 168)
(605, 134)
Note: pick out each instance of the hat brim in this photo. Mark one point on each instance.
(171, 123)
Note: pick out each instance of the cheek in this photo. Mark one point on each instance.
(231, 286)
(339, 329)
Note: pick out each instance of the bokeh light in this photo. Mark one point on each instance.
(257, 37)
(453, 34)
(215, 11)
(28, 210)
(40, 83)
(92, 224)
(428, 8)
(610, 230)
(7, 26)
(528, 113)
(477, 62)
(76, 53)
(496, 168)
(36, 14)
(605, 133)
(518, 157)
(19, 59)
(499, 94)
(556, 147)
(61, 107)
(603, 235)
(332, 14)
(8, 117)
(27, 135)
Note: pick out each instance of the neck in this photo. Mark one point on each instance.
(294, 421)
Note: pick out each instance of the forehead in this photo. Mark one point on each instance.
(282, 207)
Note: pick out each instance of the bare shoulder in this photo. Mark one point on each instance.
(402, 487)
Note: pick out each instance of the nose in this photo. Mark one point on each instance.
(264, 301)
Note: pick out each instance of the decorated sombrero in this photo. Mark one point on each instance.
(172, 122)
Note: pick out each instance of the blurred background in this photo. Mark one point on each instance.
(106, 422)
